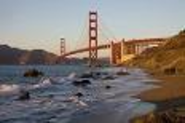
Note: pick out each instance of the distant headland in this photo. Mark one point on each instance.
(16, 56)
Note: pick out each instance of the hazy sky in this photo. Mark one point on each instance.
(39, 24)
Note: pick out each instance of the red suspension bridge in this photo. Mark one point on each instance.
(119, 50)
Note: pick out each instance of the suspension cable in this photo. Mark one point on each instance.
(107, 30)
(82, 35)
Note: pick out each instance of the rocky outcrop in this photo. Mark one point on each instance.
(167, 59)
(176, 115)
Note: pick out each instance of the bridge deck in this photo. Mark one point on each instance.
(129, 42)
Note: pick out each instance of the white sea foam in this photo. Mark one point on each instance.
(118, 98)
(72, 76)
(9, 89)
(76, 100)
(43, 83)
(61, 80)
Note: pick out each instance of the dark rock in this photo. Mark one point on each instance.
(86, 81)
(97, 73)
(108, 78)
(101, 73)
(82, 82)
(166, 116)
(79, 94)
(107, 86)
(76, 83)
(24, 95)
(87, 75)
(122, 73)
(33, 73)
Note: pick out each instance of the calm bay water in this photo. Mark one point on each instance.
(9, 73)
(53, 101)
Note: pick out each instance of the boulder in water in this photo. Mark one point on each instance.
(24, 95)
(108, 87)
(79, 94)
(122, 73)
(33, 73)
(84, 82)
(87, 75)
(108, 77)
(97, 73)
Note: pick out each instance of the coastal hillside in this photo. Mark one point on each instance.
(168, 59)
(15, 56)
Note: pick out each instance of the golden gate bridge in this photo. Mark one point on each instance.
(120, 50)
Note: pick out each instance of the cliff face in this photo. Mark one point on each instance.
(9, 55)
(169, 58)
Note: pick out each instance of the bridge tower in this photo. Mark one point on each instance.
(62, 47)
(93, 38)
(115, 57)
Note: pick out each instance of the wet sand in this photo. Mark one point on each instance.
(170, 87)
(169, 99)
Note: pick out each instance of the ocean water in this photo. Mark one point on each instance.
(53, 97)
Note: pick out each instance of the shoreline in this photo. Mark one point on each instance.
(169, 97)
(170, 87)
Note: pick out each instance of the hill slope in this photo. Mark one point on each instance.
(169, 58)
(9, 55)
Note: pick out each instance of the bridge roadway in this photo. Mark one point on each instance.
(107, 46)
(104, 46)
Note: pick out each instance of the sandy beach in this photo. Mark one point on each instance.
(170, 87)
(169, 99)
